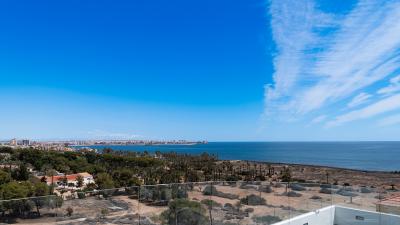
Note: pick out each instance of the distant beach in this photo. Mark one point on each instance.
(371, 156)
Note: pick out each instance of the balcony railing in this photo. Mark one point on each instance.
(216, 203)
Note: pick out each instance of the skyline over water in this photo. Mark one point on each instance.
(373, 156)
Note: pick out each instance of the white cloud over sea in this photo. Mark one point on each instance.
(334, 68)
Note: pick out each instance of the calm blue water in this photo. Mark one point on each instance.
(383, 156)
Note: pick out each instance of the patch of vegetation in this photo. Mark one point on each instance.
(326, 191)
(265, 188)
(297, 187)
(293, 194)
(211, 203)
(184, 212)
(365, 190)
(315, 197)
(212, 191)
(266, 219)
(253, 200)
(343, 192)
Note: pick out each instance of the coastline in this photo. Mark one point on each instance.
(318, 174)
(364, 156)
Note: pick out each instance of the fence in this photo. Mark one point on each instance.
(215, 203)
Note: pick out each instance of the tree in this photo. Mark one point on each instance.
(40, 190)
(43, 179)
(104, 181)
(5, 177)
(286, 175)
(122, 177)
(16, 190)
(51, 173)
(21, 173)
(69, 210)
(185, 212)
(79, 181)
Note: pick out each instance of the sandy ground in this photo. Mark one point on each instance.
(277, 204)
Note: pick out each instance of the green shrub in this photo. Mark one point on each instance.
(253, 200)
(81, 195)
(210, 203)
(266, 219)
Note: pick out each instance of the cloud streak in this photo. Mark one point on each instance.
(326, 61)
(383, 106)
(359, 100)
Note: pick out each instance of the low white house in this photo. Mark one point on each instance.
(72, 180)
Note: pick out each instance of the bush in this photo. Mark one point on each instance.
(228, 206)
(211, 190)
(297, 187)
(343, 192)
(329, 186)
(311, 185)
(266, 219)
(265, 188)
(365, 190)
(210, 203)
(81, 195)
(249, 210)
(69, 211)
(326, 191)
(253, 200)
(293, 194)
(248, 186)
(316, 197)
(188, 212)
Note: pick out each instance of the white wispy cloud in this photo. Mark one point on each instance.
(394, 86)
(359, 100)
(325, 60)
(382, 106)
(319, 119)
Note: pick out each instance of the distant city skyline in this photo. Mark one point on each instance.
(279, 70)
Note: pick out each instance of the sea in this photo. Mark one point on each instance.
(368, 156)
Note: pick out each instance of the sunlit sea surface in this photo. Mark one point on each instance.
(382, 156)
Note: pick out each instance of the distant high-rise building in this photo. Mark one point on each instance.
(13, 142)
(26, 142)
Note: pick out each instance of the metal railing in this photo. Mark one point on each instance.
(215, 203)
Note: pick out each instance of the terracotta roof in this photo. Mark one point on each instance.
(394, 201)
(70, 177)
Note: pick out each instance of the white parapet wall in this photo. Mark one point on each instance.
(324, 216)
(338, 215)
(350, 216)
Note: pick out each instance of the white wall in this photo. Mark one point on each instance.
(349, 216)
(322, 216)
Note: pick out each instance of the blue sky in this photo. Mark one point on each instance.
(216, 70)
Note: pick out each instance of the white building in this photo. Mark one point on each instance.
(338, 215)
(72, 181)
